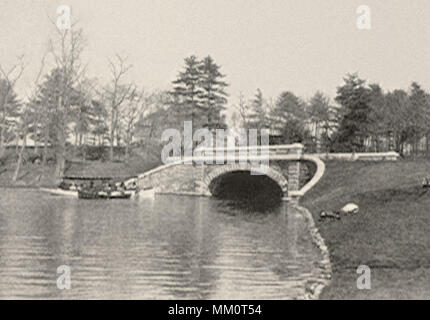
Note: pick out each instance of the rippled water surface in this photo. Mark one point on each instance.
(169, 248)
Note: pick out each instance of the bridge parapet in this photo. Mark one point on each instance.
(248, 152)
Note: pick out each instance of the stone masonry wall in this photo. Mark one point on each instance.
(192, 178)
(181, 178)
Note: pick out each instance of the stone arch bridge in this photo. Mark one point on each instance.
(293, 172)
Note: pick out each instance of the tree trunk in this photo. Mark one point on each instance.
(2, 144)
(45, 146)
(111, 149)
(427, 144)
(18, 165)
(60, 154)
(127, 150)
(317, 137)
(378, 147)
(416, 147)
(59, 169)
(61, 160)
(118, 138)
(112, 137)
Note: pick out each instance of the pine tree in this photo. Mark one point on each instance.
(257, 115)
(47, 104)
(212, 93)
(288, 118)
(288, 107)
(319, 113)
(354, 98)
(186, 91)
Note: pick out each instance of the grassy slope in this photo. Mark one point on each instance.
(391, 234)
(32, 175)
(131, 167)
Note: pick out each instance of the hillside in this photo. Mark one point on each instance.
(390, 234)
(37, 175)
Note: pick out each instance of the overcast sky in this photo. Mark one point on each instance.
(275, 45)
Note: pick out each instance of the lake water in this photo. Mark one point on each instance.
(172, 247)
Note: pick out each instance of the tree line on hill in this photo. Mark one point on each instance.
(362, 118)
(67, 110)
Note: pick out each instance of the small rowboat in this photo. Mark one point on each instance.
(96, 194)
(61, 192)
(114, 195)
(90, 194)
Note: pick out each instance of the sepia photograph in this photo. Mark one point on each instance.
(214, 150)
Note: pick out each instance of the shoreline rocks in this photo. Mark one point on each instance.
(314, 287)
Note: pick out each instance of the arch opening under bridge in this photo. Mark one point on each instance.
(244, 181)
(242, 185)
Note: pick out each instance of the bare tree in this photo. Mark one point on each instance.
(83, 111)
(154, 118)
(28, 117)
(100, 121)
(9, 78)
(242, 109)
(66, 52)
(137, 103)
(116, 93)
(22, 130)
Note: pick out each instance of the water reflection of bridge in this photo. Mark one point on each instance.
(285, 165)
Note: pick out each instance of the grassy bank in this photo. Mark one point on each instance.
(37, 175)
(391, 234)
